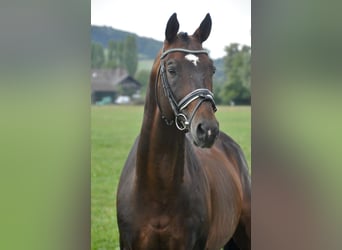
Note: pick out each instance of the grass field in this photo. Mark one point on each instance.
(113, 131)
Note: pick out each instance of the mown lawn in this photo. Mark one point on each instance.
(113, 131)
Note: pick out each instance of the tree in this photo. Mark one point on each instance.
(97, 55)
(112, 60)
(115, 55)
(120, 54)
(130, 55)
(143, 77)
(237, 69)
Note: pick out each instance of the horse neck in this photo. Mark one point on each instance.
(160, 153)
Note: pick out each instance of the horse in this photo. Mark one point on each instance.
(185, 184)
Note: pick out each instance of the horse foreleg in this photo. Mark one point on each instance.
(240, 241)
(231, 245)
(242, 236)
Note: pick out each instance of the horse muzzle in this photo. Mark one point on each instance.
(205, 134)
(204, 128)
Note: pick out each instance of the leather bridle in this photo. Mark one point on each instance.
(181, 120)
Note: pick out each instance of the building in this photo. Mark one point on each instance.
(110, 83)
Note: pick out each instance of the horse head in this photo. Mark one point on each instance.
(184, 83)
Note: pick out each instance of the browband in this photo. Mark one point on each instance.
(202, 51)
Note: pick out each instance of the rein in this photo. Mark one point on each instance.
(181, 120)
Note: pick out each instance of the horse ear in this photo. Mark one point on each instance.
(203, 31)
(172, 28)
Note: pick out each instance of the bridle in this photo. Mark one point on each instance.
(181, 120)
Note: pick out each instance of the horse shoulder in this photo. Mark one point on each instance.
(222, 166)
(125, 198)
(234, 152)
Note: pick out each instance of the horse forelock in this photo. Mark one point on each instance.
(183, 36)
(183, 40)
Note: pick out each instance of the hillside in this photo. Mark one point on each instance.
(147, 47)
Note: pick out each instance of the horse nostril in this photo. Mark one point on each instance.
(205, 132)
(200, 132)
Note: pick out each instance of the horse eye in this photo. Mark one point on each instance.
(214, 69)
(172, 71)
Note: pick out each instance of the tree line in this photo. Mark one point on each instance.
(118, 54)
(233, 89)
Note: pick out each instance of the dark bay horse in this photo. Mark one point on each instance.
(185, 184)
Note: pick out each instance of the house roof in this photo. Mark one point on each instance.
(109, 79)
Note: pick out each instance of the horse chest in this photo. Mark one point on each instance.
(169, 227)
(165, 232)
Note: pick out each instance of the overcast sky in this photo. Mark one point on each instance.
(231, 19)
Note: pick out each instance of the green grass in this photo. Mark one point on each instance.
(113, 131)
(236, 122)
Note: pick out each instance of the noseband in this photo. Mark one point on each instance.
(181, 120)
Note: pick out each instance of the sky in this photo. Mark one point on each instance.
(231, 19)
